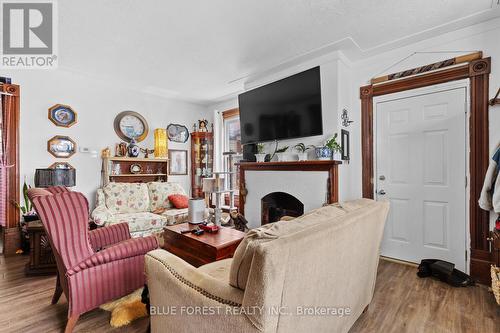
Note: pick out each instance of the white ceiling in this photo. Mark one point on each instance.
(195, 49)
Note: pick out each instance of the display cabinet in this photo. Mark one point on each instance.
(202, 161)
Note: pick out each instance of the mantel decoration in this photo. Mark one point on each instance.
(177, 133)
(302, 149)
(261, 155)
(330, 150)
(61, 146)
(62, 115)
(131, 125)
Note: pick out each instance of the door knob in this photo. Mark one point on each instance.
(381, 192)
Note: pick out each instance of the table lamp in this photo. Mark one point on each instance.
(55, 177)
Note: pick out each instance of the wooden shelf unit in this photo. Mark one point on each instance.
(117, 169)
(202, 160)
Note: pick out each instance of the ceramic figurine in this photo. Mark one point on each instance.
(133, 149)
(147, 152)
(203, 125)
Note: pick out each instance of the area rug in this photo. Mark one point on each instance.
(126, 309)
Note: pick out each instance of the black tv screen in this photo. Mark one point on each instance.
(285, 109)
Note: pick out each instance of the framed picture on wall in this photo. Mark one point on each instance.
(177, 162)
(344, 142)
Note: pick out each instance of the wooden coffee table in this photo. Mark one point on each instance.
(203, 249)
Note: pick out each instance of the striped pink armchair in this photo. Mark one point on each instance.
(93, 266)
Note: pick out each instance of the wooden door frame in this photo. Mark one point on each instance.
(478, 72)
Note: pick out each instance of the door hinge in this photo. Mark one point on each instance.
(465, 255)
(466, 181)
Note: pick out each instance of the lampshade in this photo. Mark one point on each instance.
(55, 177)
(211, 185)
(196, 211)
(161, 143)
(208, 185)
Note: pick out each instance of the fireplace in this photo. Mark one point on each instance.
(278, 204)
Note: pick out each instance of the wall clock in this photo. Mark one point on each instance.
(131, 125)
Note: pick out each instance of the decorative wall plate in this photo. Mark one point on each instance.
(177, 133)
(62, 115)
(135, 168)
(131, 125)
(61, 165)
(61, 146)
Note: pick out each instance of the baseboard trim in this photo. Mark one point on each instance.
(398, 261)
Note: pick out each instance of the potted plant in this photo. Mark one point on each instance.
(261, 155)
(281, 153)
(331, 149)
(26, 209)
(302, 151)
(28, 215)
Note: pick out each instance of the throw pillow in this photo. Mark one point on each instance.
(178, 200)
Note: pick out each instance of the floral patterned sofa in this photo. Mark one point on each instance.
(136, 204)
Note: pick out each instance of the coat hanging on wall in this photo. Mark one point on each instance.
(490, 194)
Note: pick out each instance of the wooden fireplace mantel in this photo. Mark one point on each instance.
(329, 166)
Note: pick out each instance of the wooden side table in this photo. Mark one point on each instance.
(42, 261)
(203, 249)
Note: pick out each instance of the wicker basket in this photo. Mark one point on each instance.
(495, 282)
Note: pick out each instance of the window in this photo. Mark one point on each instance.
(232, 135)
(232, 142)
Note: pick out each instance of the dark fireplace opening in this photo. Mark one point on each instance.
(278, 204)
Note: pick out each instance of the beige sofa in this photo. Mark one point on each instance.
(315, 273)
(135, 204)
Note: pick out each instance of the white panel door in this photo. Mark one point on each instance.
(421, 170)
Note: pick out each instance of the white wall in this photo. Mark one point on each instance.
(342, 78)
(97, 103)
(335, 93)
(482, 37)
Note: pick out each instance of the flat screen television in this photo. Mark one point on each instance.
(286, 109)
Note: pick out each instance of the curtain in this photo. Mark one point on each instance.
(7, 105)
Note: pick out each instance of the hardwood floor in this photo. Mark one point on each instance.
(405, 303)
(25, 305)
(402, 303)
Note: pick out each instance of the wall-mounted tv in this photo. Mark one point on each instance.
(285, 109)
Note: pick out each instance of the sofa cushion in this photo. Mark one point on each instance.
(140, 221)
(218, 269)
(178, 200)
(159, 192)
(242, 259)
(126, 197)
(175, 216)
